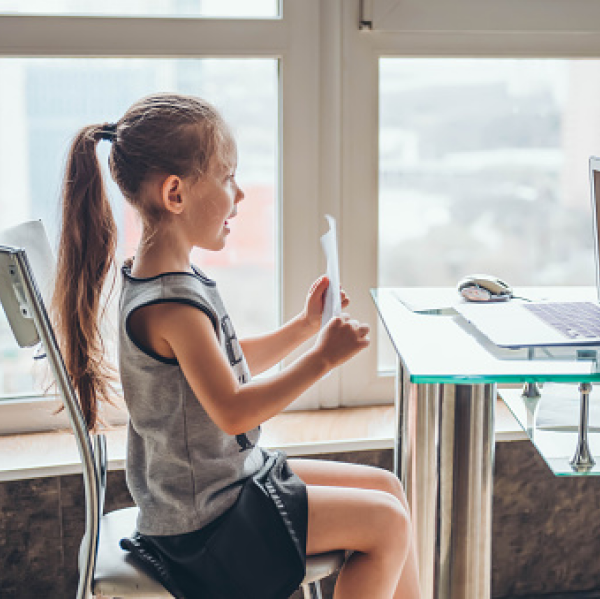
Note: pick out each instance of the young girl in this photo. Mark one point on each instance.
(195, 412)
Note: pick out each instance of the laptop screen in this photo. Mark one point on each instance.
(595, 193)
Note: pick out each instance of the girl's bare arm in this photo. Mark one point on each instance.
(237, 408)
(264, 351)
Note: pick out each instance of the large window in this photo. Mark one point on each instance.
(62, 66)
(446, 139)
(467, 128)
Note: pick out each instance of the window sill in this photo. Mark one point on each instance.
(36, 455)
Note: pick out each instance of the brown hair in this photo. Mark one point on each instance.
(164, 133)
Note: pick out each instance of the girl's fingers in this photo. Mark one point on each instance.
(364, 329)
(344, 297)
(321, 281)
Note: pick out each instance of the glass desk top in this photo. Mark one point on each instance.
(436, 345)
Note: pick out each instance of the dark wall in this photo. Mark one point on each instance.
(546, 530)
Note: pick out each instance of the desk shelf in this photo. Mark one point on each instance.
(551, 423)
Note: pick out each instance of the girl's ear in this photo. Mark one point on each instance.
(171, 193)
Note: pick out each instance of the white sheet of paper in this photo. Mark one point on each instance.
(333, 302)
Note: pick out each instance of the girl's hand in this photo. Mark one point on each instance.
(341, 339)
(315, 302)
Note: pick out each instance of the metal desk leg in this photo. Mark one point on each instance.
(400, 407)
(466, 481)
(583, 461)
(446, 463)
(420, 468)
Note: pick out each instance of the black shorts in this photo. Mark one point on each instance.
(255, 550)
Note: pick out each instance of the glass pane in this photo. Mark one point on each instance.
(50, 99)
(162, 8)
(483, 167)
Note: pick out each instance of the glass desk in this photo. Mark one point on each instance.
(446, 384)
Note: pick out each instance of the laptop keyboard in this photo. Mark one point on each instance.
(575, 320)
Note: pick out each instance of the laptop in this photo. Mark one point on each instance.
(517, 323)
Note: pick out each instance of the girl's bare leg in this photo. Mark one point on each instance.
(371, 523)
(320, 473)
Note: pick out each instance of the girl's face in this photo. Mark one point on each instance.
(214, 203)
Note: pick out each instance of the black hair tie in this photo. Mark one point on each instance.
(108, 131)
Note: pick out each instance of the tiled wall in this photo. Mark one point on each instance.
(41, 524)
(546, 530)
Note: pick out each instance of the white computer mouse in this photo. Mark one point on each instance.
(484, 288)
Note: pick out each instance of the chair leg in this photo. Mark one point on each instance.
(312, 590)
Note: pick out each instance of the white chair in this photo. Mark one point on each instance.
(104, 568)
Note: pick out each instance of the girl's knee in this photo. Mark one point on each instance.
(394, 529)
(391, 484)
(402, 520)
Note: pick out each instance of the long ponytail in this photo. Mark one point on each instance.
(86, 255)
(161, 133)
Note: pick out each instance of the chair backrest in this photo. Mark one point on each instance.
(23, 303)
(32, 237)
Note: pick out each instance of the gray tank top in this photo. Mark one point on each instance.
(182, 470)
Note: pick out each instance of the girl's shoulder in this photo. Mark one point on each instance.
(182, 276)
(192, 288)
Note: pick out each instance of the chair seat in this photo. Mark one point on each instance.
(117, 574)
(323, 564)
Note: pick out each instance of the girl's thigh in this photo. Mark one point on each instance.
(365, 520)
(340, 474)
